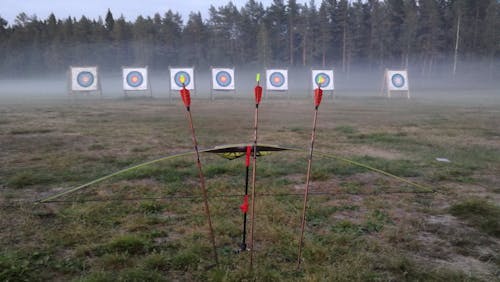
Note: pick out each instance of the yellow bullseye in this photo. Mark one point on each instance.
(182, 79)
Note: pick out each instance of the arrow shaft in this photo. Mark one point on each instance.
(254, 173)
(202, 185)
(243, 243)
(306, 191)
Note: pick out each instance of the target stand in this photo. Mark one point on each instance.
(222, 81)
(325, 79)
(176, 73)
(277, 81)
(395, 81)
(136, 80)
(84, 80)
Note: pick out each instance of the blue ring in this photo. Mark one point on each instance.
(220, 75)
(140, 79)
(177, 78)
(398, 80)
(327, 79)
(85, 75)
(277, 75)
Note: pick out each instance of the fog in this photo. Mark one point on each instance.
(477, 85)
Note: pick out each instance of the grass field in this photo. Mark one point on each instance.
(370, 227)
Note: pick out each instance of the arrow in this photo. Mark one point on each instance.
(318, 94)
(258, 98)
(186, 98)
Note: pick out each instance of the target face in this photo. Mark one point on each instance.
(222, 79)
(182, 78)
(178, 76)
(277, 79)
(397, 80)
(323, 79)
(84, 79)
(135, 79)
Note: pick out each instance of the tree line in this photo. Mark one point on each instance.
(370, 33)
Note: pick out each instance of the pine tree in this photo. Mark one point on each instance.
(324, 31)
(194, 40)
(276, 21)
(110, 22)
(264, 46)
(251, 18)
(409, 30)
(491, 36)
(429, 34)
(342, 16)
(292, 14)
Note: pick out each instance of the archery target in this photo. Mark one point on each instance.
(84, 79)
(135, 79)
(397, 80)
(323, 78)
(176, 75)
(222, 79)
(277, 79)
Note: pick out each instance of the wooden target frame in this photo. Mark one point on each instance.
(73, 89)
(148, 89)
(269, 73)
(231, 86)
(389, 86)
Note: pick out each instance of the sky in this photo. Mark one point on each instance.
(130, 9)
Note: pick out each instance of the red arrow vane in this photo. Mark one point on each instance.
(186, 96)
(244, 206)
(258, 94)
(318, 94)
(248, 154)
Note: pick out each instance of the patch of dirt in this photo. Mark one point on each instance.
(446, 242)
(464, 139)
(365, 150)
(355, 216)
(468, 190)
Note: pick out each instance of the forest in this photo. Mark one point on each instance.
(422, 34)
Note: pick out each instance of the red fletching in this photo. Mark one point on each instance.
(186, 96)
(318, 94)
(258, 94)
(247, 160)
(244, 206)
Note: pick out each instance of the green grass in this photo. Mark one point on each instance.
(36, 266)
(374, 223)
(479, 213)
(346, 129)
(151, 207)
(28, 178)
(129, 244)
